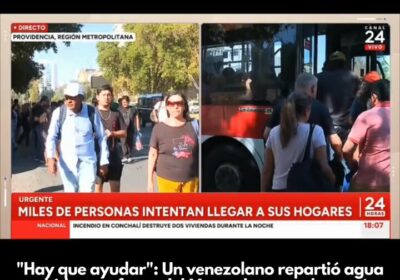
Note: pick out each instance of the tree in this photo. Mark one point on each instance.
(109, 59)
(23, 68)
(122, 85)
(33, 91)
(47, 92)
(163, 57)
(58, 95)
(89, 94)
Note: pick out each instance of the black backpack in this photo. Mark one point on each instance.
(306, 176)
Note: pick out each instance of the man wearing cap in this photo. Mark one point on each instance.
(75, 135)
(337, 87)
(362, 102)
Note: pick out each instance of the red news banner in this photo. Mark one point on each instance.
(200, 215)
(29, 27)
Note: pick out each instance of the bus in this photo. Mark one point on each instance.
(247, 68)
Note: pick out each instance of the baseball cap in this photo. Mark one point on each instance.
(74, 89)
(337, 56)
(372, 77)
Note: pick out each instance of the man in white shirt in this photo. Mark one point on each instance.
(72, 129)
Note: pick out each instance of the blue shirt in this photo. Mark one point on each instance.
(77, 138)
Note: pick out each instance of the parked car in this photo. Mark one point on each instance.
(194, 107)
(146, 104)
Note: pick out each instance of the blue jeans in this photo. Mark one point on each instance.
(345, 183)
(80, 178)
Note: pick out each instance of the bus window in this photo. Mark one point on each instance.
(359, 65)
(278, 58)
(321, 52)
(384, 63)
(308, 57)
(309, 48)
(259, 55)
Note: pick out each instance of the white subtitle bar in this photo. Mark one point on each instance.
(229, 229)
(58, 37)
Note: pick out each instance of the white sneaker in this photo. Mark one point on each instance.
(125, 160)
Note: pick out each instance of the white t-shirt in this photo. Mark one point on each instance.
(294, 151)
(162, 111)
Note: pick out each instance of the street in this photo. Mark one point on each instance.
(30, 176)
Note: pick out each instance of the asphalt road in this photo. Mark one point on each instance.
(30, 176)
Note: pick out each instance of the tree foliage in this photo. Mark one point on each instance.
(123, 84)
(89, 92)
(23, 68)
(47, 92)
(163, 57)
(33, 91)
(59, 94)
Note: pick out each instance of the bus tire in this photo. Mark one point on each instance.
(230, 168)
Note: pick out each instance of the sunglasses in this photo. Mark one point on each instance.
(67, 97)
(177, 103)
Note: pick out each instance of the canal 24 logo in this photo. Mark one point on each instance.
(374, 207)
(374, 38)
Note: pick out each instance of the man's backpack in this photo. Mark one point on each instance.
(63, 115)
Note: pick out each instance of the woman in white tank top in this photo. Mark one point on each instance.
(287, 141)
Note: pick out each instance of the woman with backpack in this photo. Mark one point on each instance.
(287, 143)
(174, 150)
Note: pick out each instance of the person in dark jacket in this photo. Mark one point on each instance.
(337, 88)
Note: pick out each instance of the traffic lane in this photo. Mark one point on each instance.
(134, 173)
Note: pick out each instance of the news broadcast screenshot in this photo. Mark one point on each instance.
(199, 127)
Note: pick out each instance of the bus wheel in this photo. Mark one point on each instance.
(230, 169)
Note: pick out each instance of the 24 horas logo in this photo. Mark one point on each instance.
(375, 38)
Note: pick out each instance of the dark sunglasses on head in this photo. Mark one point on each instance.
(172, 103)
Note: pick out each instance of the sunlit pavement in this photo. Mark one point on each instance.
(31, 176)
